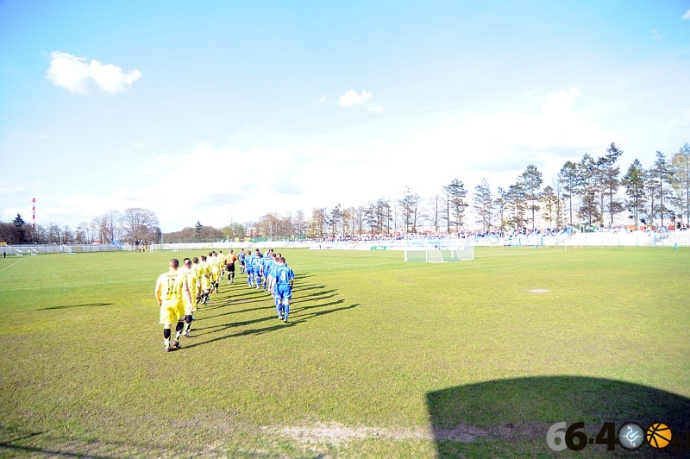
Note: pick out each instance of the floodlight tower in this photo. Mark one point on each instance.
(33, 214)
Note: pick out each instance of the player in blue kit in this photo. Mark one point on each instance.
(256, 266)
(249, 267)
(267, 267)
(282, 287)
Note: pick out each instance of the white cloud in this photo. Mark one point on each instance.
(546, 131)
(138, 145)
(74, 74)
(558, 103)
(656, 35)
(351, 98)
(686, 16)
(149, 171)
(375, 109)
(682, 120)
(322, 101)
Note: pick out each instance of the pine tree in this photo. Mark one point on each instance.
(569, 179)
(483, 204)
(456, 204)
(634, 182)
(587, 189)
(531, 182)
(550, 205)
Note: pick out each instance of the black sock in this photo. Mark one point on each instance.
(166, 333)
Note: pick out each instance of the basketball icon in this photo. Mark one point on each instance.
(658, 435)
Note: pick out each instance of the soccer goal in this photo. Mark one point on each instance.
(438, 255)
(33, 252)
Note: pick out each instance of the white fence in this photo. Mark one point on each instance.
(598, 239)
(61, 248)
(621, 238)
(604, 238)
(176, 247)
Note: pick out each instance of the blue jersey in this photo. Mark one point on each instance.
(268, 264)
(248, 261)
(282, 274)
(256, 262)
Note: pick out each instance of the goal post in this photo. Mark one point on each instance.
(438, 251)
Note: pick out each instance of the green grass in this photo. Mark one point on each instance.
(413, 350)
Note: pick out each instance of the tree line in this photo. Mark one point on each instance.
(134, 226)
(591, 191)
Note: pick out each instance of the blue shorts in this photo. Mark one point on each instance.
(282, 292)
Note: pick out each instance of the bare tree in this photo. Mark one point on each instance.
(300, 223)
(680, 163)
(409, 207)
(137, 224)
(318, 222)
(435, 208)
(108, 226)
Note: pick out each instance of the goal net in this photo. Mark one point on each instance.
(438, 255)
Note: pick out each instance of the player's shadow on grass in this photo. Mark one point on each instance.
(251, 295)
(68, 306)
(332, 303)
(511, 417)
(226, 326)
(260, 331)
(237, 311)
(312, 315)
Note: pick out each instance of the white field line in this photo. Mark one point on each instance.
(352, 264)
(70, 286)
(1, 270)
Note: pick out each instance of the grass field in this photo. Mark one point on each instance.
(381, 358)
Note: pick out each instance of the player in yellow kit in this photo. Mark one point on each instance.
(191, 272)
(205, 270)
(172, 291)
(221, 264)
(215, 270)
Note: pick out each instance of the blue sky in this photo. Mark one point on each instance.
(220, 111)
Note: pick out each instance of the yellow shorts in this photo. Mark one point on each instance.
(190, 307)
(171, 312)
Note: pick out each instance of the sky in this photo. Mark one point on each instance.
(221, 112)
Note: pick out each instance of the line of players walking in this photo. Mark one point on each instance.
(180, 290)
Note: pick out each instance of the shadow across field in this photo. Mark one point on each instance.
(15, 443)
(309, 301)
(68, 306)
(512, 416)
